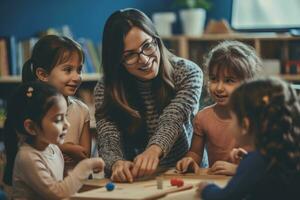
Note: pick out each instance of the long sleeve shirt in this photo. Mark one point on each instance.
(254, 180)
(171, 130)
(39, 174)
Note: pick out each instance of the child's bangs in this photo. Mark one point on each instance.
(233, 66)
(64, 54)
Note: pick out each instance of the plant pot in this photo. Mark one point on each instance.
(163, 22)
(193, 21)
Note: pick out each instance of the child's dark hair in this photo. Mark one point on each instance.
(30, 100)
(48, 52)
(273, 108)
(237, 57)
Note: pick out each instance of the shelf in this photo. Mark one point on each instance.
(237, 36)
(17, 79)
(277, 46)
(291, 77)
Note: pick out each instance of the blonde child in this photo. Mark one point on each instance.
(266, 117)
(228, 65)
(36, 123)
(58, 61)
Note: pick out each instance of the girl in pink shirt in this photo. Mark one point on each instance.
(227, 65)
(36, 123)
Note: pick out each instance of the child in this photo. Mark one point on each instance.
(36, 122)
(228, 64)
(58, 61)
(265, 116)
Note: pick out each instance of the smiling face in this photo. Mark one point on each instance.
(221, 84)
(147, 65)
(66, 77)
(54, 124)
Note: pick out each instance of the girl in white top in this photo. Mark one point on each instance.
(36, 123)
(58, 61)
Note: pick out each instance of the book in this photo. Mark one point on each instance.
(4, 68)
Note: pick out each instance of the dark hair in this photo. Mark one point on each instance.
(273, 108)
(237, 57)
(30, 100)
(120, 86)
(48, 52)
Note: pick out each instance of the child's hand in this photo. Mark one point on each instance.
(121, 171)
(223, 168)
(237, 154)
(200, 188)
(187, 164)
(83, 169)
(98, 165)
(68, 159)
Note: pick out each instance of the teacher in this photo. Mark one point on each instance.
(145, 101)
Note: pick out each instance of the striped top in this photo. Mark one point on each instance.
(171, 130)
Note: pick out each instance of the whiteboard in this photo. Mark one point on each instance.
(265, 14)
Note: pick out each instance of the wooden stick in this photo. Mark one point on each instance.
(171, 190)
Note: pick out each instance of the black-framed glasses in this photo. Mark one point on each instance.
(147, 49)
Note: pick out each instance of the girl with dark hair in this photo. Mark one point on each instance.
(36, 123)
(145, 101)
(266, 117)
(228, 64)
(58, 60)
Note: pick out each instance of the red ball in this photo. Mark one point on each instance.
(173, 181)
(180, 183)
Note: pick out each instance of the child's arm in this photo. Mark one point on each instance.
(190, 162)
(223, 168)
(86, 139)
(73, 152)
(37, 175)
(77, 152)
(237, 154)
(249, 172)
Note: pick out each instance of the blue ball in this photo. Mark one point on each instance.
(110, 186)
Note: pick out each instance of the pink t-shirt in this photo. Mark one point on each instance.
(215, 133)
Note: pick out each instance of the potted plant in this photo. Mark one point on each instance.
(193, 14)
(163, 22)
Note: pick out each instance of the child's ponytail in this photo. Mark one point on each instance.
(11, 148)
(28, 72)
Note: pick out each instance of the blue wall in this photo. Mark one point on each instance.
(24, 18)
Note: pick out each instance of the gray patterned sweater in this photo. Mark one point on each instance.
(172, 130)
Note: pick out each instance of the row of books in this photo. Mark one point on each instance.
(13, 53)
(2, 111)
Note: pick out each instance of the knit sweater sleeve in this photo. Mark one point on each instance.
(108, 135)
(188, 79)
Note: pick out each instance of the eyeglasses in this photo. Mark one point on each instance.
(148, 49)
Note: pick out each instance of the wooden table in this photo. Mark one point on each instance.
(147, 189)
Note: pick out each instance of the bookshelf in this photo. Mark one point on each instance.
(281, 48)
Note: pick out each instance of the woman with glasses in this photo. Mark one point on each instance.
(145, 101)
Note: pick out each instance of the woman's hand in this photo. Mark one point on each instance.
(146, 163)
(223, 168)
(237, 154)
(187, 164)
(121, 171)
